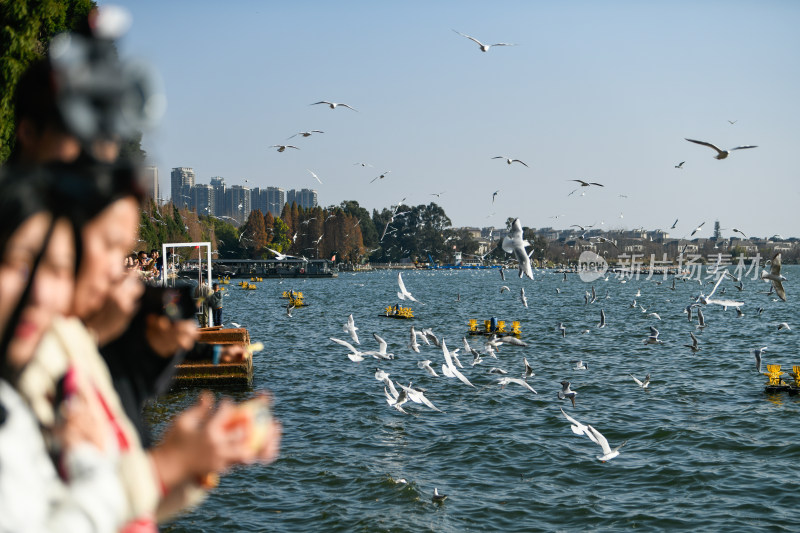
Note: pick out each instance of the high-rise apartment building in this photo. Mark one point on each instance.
(305, 198)
(151, 184)
(181, 181)
(237, 203)
(276, 197)
(218, 184)
(258, 200)
(203, 199)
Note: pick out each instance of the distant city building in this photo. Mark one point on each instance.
(203, 201)
(218, 184)
(238, 203)
(276, 197)
(181, 181)
(151, 184)
(305, 198)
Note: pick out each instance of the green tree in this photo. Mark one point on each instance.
(254, 236)
(26, 27)
(281, 237)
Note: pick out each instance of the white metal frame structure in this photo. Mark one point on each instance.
(199, 246)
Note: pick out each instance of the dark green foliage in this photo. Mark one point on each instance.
(26, 27)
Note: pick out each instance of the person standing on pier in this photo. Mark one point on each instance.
(215, 302)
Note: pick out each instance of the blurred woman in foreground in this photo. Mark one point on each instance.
(37, 273)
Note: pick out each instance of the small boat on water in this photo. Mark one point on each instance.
(493, 327)
(402, 313)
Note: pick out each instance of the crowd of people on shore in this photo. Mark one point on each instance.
(85, 342)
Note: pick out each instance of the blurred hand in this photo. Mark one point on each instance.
(82, 421)
(232, 353)
(198, 443)
(166, 337)
(113, 318)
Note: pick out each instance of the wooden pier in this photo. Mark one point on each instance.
(204, 373)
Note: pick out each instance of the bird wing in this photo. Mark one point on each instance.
(705, 144)
(653, 332)
(503, 44)
(694, 339)
(779, 289)
(775, 268)
(348, 107)
(601, 440)
(583, 183)
(381, 343)
(345, 344)
(598, 184)
(517, 160)
(401, 284)
(742, 147)
(636, 380)
(473, 39)
(322, 102)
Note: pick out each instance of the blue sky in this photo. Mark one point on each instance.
(605, 91)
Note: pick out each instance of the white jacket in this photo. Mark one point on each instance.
(33, 499)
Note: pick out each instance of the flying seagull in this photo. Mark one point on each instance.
(509, 160)
(587, 183)
(383, 175)
(279, 256)
(608, 453)
(315, 177)
(578, 428)
(283, 147)
(693, 346)
(566, 392)
(514, 243)
(306, 133)
(334, 105)
(506, 380)
(350, 327)
(354, 355)
(483, 47)
(494, 194)
(643, 384)
(680, 165)
(403, 293)
(758, 352)
(721, 154)
(774, 275)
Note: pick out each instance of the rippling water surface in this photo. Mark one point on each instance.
(707, 449)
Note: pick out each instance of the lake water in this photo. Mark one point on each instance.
(706, 449)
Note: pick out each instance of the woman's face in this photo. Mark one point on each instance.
(52, 288)
(107, 239)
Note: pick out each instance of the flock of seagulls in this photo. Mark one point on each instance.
(399, 396)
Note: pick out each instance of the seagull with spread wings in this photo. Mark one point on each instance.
(721, 154)
(334, 105)
(510, 160)
(483, 47)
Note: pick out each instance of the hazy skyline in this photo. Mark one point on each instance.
(601, 91)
